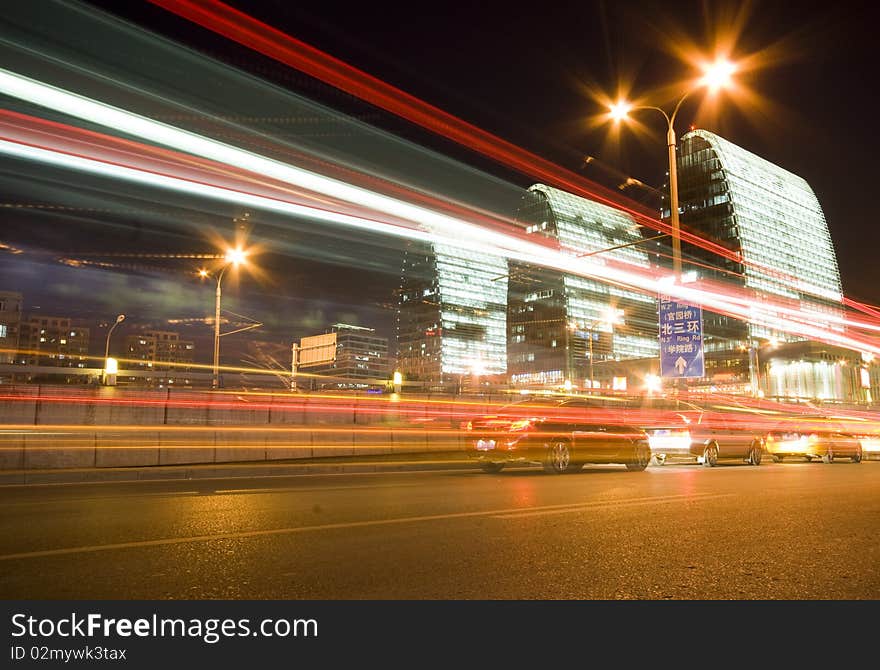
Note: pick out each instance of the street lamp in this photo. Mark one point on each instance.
(716, 76)
(233, 257)
(109, 376)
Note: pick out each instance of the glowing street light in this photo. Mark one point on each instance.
(620, 110)
(716, 76)
(110, 369)
(234, 257)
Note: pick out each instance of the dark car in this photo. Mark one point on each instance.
(809, 437)
(562, 435)
(703, 432)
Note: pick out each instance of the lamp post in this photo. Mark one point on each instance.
(716, 76)
(110, 377)
(234, 257)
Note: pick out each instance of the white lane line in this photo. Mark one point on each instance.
(330, 526)
(630, 502)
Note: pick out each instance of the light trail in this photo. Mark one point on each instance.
(533, 253)
(441, 228)
(269, 41)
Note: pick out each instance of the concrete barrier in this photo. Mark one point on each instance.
(65, 427)
(73, 408)
(288, 409)
(59, 448)
(19, 405)
(186, 446)
(237, 444)
(294, 442)
(12, 449)
(327, 441)
(129, 448)
(370, 441)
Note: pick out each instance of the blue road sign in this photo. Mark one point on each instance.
(681, 339)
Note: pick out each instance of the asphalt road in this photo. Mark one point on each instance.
(778, 531)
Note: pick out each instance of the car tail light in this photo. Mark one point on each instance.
(869, 443)
(777, 441)
(663, 441)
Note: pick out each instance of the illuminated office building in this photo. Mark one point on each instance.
(452, 316)
(343, 357)
(553, 316)
(773, 220)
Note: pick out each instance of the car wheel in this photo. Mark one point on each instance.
(641, 459)
(755, 454)
(829, 456)
(491, 468)
(777, 459)
(808, 459)
(558, 457)
(710, 455)
(857, 457)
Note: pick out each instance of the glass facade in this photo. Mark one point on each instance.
(452, 314)
(553, 316)
(774, 220)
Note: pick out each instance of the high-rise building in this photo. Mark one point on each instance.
(452, 315)
(10, 325)
(559, 323)
(773, 221)
(344, 356)
(158, 351)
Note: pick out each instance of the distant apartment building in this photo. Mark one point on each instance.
(52, 342)
(10, 325)
(158, 351)
(345, 356)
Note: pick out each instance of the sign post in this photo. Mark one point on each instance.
(681, 340)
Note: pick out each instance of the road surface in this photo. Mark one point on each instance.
(778, 531)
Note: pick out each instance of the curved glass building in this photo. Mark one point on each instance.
(773, 219)
(557, 320)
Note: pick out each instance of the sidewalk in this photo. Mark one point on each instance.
(312, 466)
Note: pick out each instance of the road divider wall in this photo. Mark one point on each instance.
(45, 427)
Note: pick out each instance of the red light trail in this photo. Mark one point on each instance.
(269, 41)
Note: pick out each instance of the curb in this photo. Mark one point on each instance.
(184, 472)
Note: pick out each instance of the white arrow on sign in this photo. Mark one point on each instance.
(680, 365)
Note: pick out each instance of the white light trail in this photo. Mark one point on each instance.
(441, 228)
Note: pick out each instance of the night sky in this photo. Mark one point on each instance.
(523, 74)
(526, 75)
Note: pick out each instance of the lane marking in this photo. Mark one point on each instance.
(630, 502)
(309, 489)
(340, 526)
